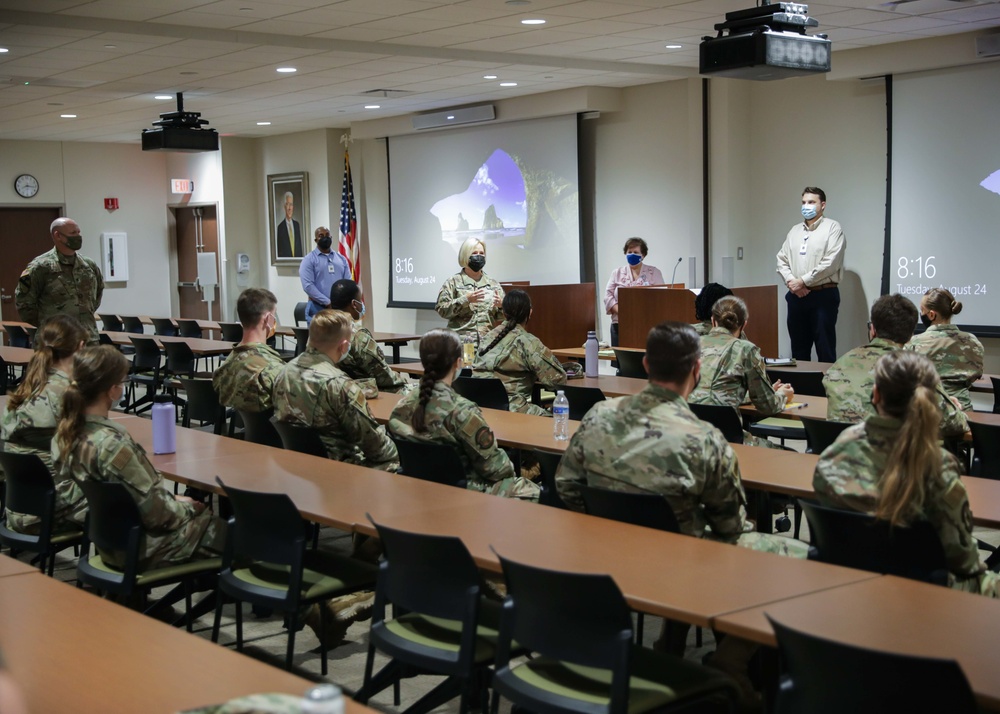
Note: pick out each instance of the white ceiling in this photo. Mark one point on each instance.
(103, 60)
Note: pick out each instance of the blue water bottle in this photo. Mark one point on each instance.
(164, 424)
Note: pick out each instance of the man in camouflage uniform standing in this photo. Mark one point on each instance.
(651, 442)
(365, 361)
(245, 381)
(312, 391)
(61, 282)
(850, 380)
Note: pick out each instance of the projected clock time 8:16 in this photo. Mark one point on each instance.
(404, 265)
(924, 267)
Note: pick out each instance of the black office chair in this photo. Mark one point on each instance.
(164, 327)
(114, 525)
(548, 462)
(111, 323)
(300, 313)
(6, 375)
(259, 429)
(303, 439)
(442, 624)
(231, 331)
(181, 361)
(725, 419)
(146, 370)
(630, 364)
(189, 328)
(487, 392)
(996, 394)
(859, 540)
(649, 510)
(581, 399)
(17, 336)
(438, 463)
(805, 384)
(579, 629)
(202, 404)
(30, 491)
(301, 339)
(266, 564)
(820, 433)
(820, 676)
(133, 324)
(985, 449)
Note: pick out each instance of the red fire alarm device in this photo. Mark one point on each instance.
(111, 204)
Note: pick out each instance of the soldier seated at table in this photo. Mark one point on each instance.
(245, 381)
(436, 413)
(652, 442)
(850, 380)
(312, 391)
(365, 361)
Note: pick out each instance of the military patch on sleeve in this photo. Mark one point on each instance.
(484, 438)
(121, 459)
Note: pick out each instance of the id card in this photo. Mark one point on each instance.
(331, 268)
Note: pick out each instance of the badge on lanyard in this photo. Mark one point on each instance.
(330, 268)
(805, 244)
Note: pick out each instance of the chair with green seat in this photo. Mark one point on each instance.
(578, 628)
(114, 525)
(443, 625)
(31, 491)
(266, 564)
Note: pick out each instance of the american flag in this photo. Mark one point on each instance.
(349, 224)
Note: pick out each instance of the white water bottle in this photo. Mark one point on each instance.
(560, 417)
(591, 349)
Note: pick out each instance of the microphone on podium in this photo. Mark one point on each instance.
(674, 274)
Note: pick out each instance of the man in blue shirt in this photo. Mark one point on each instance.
(319, 270)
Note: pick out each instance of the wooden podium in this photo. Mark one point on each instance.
(640, 309)
(561, 314)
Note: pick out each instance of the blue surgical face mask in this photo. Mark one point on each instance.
(361, 310)
(633, 259)
(808, 211)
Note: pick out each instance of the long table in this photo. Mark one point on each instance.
(201, 347)
(16, 356)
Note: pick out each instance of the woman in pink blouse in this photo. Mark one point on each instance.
(635, 273)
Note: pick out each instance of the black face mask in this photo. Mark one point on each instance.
(926, 319)
(477, 262)
(324, 243)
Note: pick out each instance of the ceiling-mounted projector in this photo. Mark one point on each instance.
(180, 131)
(766, 42)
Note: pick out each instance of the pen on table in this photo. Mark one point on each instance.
(803, 405)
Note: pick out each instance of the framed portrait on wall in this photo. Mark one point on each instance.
(288, 203)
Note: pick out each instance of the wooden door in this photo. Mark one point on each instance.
(197, 232)
(25, 235)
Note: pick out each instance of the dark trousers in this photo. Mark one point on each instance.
(813, 319)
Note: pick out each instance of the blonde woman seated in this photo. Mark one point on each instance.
(91, 447)
(893, 465)
(957, 355)
(436, 413)
(732, 368)
(518, 358)
(33, 412)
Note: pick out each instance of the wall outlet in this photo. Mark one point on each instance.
(739, 253)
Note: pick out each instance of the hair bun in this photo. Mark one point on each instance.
(956, 307)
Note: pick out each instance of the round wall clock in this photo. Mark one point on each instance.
(26, 185)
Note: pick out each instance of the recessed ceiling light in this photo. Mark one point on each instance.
(55, 104)
(373, 106)
(263, 123)
(674, 47)
(3, 50)
(508, 84)
(518, 2)
(189, 73)
(450, 116)
(110, 47)
(287, 70)
(533, 21)
(68, 116)
(163, 96)
(489, 76)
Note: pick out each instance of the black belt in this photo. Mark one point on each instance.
(823, 287)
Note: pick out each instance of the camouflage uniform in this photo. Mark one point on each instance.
(463, 317)
(849, 383)
(29, 430)
(57, 284)
(847, 476)
(519, 360)
(651, 442)
(366, 361)
(730, 369)
(957, 356)
(703, 327)
(245, 381)
(173, 531)
(453, 420)
(312, 391)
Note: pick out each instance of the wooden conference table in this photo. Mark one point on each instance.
(71, 651)
(16, 356)
(201, 347)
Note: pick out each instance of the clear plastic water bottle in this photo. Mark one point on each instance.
(560, 417)
(323, 699)
(591, 348)
(164, 424)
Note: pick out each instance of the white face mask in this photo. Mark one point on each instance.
(346, 352)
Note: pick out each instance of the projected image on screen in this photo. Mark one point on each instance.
(946, 190)
(512, 186)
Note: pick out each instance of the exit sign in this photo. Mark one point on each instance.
(181, 186)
